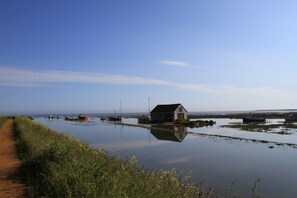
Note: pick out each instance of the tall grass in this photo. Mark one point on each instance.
(59, 166)
(2, 120)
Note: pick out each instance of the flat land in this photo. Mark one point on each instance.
(10, 179)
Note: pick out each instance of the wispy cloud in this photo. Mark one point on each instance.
(127, 145)
(174, 63)
(227, 89)
(178, 160)
(31, 78)
(19, 77)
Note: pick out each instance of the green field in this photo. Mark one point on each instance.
(59, 166)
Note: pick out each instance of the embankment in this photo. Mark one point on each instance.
(60, 166)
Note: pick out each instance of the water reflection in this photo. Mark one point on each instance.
(179, 128)
(168, 135)
(176, 133)
(127, 145)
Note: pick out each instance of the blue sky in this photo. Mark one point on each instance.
(65, 56)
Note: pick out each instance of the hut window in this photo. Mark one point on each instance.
(180, 109)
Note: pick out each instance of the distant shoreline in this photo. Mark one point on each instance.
(273, 113)
(267, 115)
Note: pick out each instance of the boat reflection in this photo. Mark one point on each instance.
(171, 133)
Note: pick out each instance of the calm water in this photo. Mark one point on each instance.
(218, 162)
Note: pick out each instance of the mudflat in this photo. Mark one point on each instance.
(11, 184)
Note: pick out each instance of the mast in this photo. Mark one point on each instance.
(149, 105)
(121, 108)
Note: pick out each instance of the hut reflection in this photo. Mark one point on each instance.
(176, 133)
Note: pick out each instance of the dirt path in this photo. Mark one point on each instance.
(10, 182)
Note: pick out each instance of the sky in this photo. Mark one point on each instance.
(90, 56)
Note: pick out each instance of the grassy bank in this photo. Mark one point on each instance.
(2, 120)
(59, 166)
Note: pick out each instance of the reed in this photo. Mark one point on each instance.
(55, 165)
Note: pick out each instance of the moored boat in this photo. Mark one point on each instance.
(68, 118)
(82, 117)
(251, 118)
(115, 118)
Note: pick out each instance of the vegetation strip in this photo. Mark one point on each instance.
(260, 127)
(59, 166)
(268, 115)
(2, 120)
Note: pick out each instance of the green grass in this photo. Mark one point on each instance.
(55, 165)
(255, 127)
(2, 120)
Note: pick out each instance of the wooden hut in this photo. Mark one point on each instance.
(169, 113)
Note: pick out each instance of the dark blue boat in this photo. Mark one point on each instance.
(251, 118)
